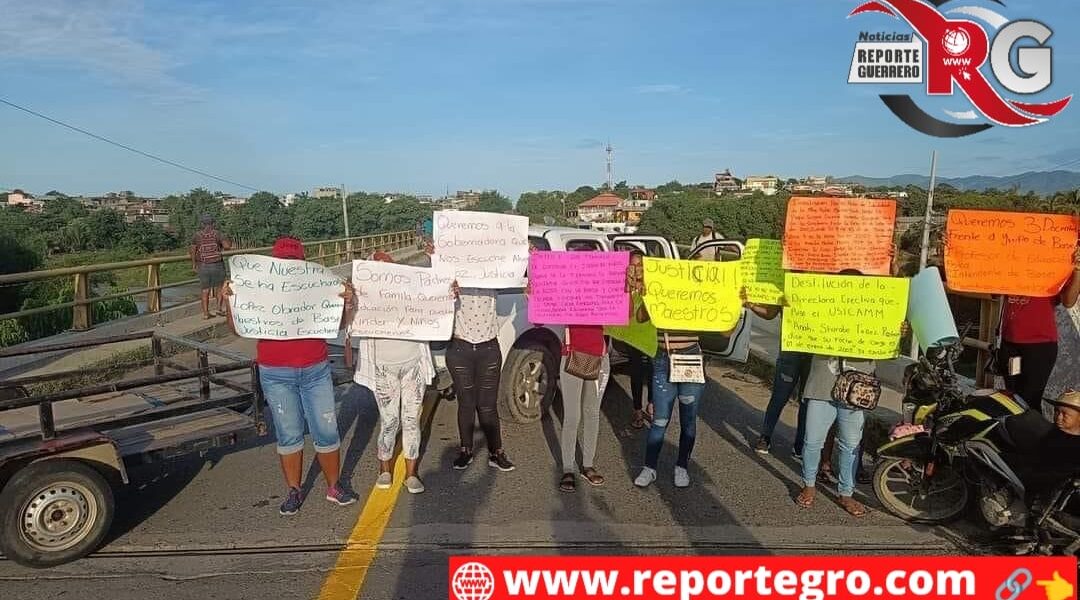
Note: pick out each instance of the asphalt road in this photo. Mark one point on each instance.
(210, 528)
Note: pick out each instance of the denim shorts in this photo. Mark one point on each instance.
(299, 396)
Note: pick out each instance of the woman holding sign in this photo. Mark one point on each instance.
(678, 375)
(296, 381)
(398, 373)
(1029, 339)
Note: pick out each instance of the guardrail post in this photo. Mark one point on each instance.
(81, 316)
(155, 348)
(153, 281)
(322, 254)
(204, 380)
(337, 253)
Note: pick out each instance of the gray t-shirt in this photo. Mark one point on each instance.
(475, 320)
(396, 352)
(825, 369)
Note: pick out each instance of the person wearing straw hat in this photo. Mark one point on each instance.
(1057, 455)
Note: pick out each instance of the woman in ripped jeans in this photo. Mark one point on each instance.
(475, 364)
(662, 397)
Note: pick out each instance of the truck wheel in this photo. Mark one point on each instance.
(53, 512)
(528, 383)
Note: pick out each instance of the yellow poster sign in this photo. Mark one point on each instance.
(687, 295)
(639, 335)
(840, 315)
(762, 271)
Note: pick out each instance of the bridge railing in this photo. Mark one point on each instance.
(327, 253)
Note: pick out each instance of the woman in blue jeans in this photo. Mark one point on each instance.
(662, 397)
(296, 381)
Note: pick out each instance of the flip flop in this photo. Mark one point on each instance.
(594, 478)
(638, 422)
(805, 500)
(852, 506)
(568, 483)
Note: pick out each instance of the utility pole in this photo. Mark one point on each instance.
(924, 251)
(345, 213)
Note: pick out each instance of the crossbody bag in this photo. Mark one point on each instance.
(684, 368)
(856, 390)
(581, 365)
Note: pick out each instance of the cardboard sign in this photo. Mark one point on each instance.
(687, 295)
(846, 316)
(637, 334)
(280, 299)
(763, 271)
(402, 302)
(829, 235)
(929, 312)
(1017, 254)
(578, 288)
(482, 250)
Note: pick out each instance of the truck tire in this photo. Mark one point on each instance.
(53, 512)
(528, 383)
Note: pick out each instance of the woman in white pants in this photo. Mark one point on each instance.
(398, 373)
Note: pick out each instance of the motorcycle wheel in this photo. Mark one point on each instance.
(898, 485)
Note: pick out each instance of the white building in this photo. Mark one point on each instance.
(767, 185)
(326, 192)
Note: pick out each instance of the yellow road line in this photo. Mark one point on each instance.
(347, 578)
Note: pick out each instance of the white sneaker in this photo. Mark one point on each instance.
(384, 481)
(414, 485)
(682, 477)
(645, 478)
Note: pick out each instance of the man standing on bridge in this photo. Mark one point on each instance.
(208, 263)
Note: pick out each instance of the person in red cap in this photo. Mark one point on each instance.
(296, 381)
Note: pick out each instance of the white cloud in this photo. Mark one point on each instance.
(98, 36)
(661, 88)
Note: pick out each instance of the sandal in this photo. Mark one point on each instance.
(568, 483)
(639, 420)
(852, 506)
(826, 476)
(805, 499)
(594, 478)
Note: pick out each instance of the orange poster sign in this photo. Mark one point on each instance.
(1016, 254)
(830, 235)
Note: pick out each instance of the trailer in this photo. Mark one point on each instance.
(63, 452)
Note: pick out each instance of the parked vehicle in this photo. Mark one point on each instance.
(955, 447)
(63, 453)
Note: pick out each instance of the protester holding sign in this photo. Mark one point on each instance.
(679, 374)
(475, 363)
(296, 381)
(838, 390)
(1029, 339)
(398, 372)
(639, 337)
(789, 377)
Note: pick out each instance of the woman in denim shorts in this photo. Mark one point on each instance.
(296, 381)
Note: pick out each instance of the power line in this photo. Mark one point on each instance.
(126, 147)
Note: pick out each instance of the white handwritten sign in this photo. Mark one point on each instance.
(402, 302)
(482, 250)
(280, 299)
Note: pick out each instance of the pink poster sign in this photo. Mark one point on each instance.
(578, 288)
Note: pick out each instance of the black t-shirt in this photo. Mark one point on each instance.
(1056, 459)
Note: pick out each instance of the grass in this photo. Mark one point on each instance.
(125, 279)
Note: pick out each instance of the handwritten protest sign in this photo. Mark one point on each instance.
(762, 271)
(482, 250)
(686, 295)
(840, 315)
(635, 333)
(279, 299)
(402, 302)
(578, 288)
(829, 235)
(1017, 254)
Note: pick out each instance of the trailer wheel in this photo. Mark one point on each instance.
(53, 512)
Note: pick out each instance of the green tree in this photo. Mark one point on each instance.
(15, 257)
(257, 222)
(583, 193)
(493, 201)
(316, 219)
(144, 237)
(185, 211)
(540, 205)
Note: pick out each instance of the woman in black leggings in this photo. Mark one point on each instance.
(475, 363)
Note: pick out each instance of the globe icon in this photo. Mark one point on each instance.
(473, 581)
(956, 41)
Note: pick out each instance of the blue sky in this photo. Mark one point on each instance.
(423, 95)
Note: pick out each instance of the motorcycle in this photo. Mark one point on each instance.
(951, 447)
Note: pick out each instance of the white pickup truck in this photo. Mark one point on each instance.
(531, 353)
